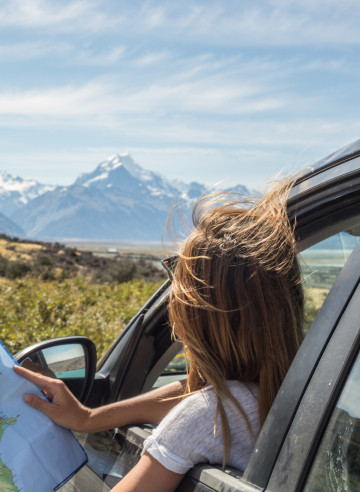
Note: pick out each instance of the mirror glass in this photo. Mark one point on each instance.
(65, 361)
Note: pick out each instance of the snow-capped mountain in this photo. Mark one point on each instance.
(119, 200)
(121, 172)
(17, 192)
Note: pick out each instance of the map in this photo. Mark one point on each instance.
(6, 477)
(35, 454)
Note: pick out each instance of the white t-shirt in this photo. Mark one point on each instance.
(185, 436)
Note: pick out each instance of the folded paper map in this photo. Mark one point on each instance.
(35, 454)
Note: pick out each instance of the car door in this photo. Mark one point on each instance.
(321, 450)
(324, 204)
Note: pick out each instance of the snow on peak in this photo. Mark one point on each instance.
(129, 164)
(111, 163)
(27, 189)
(16, 192)
(104, 170)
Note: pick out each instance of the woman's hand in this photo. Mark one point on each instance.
(64, 409)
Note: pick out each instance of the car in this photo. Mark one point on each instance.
(310, 440)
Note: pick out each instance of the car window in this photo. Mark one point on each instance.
(174, 371)
(336, 466)
(320, 265)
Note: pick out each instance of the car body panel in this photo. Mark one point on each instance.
(318, 400)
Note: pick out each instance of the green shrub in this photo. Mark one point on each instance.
(17, 269)
(32, 310)
(44, 259)
(3, 266)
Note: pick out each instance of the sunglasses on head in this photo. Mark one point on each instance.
(169, 264)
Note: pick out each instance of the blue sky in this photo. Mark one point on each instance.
(196, 90)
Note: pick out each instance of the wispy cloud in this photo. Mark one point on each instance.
(183, 88)
(105, 57)
(67, 53)
(269, 22)
(31, 50)
(196, 97)
(152, 58)
(65, 101)
(265, 23)
(64, 16)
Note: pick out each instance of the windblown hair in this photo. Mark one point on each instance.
(236, 300)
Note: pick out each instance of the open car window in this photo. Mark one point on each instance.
(174, 371)
(320, 266)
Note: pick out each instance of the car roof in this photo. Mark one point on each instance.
(344, 154)
(344, 164)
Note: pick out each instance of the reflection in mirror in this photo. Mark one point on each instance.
(65, 361)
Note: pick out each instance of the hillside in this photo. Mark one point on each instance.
(45, 260)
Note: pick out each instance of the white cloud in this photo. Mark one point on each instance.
(67, 53)
(98, 58)
(152, 58)
(212, 94)
(153, 17)
(32, 50)
(261, 23)
(60, 102)
(264, 23)
(59, 15)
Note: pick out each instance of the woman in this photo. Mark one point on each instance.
(236, 303)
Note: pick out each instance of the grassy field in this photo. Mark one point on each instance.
(32, 310)
(52, 290)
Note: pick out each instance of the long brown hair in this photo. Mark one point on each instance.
(236, 300)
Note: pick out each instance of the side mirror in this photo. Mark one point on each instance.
(71, 359)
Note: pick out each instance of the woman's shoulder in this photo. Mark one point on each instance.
(199, 409)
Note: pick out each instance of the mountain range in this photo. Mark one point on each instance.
(119, 200)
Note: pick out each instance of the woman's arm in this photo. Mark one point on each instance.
(149, 476)
(65, 410)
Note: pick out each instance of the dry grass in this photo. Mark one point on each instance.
(315, 296)
(12, 250)
(314, 299)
